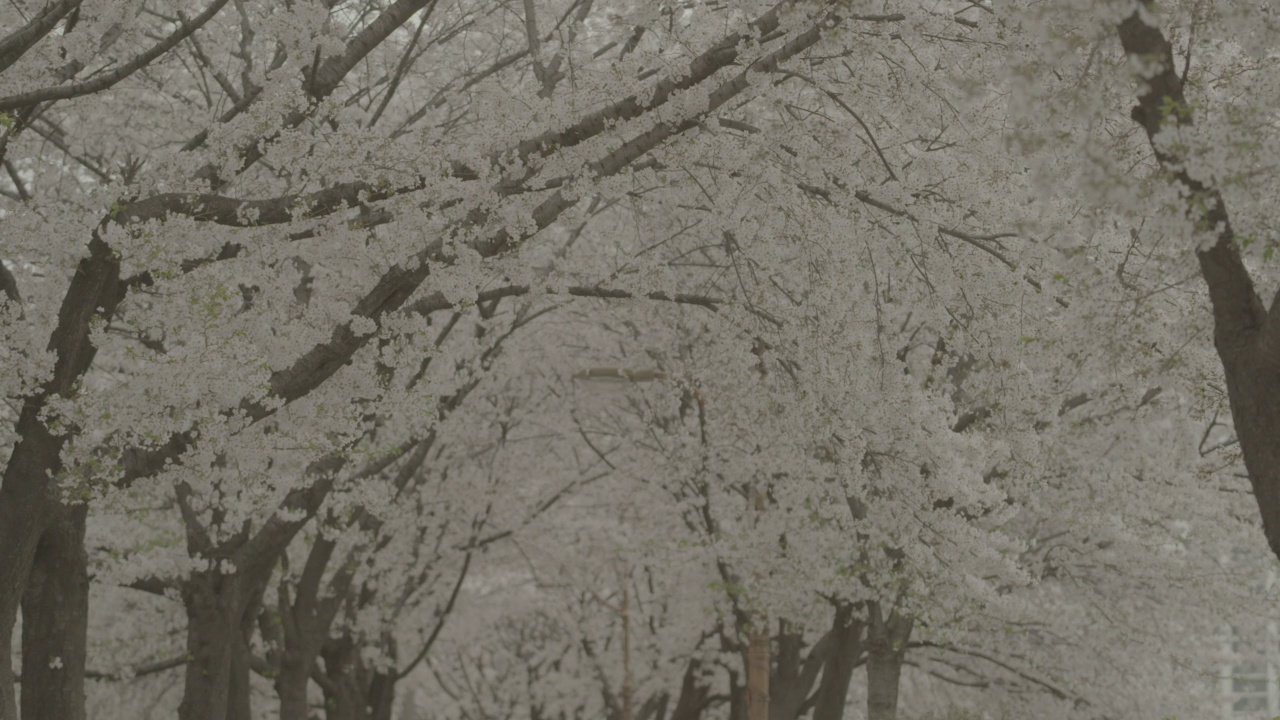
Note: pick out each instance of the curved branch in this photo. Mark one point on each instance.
(107, 79)
(1237, 310)
(444, 614)
(1053, 690)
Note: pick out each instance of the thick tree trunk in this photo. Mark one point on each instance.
(26, 509)
(1246, 334)
(220, 611)
(55, 611)
(239, 698)
(211, 630)
(787, 690)
(27, 504)
(886, 648)
(846, 650)
(291, 685)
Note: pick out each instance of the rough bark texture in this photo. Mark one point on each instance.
(1246, 335)
(886, 647)
(55, 610)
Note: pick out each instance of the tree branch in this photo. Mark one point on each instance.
(1237, 310)
(109, 78)
(17, 43)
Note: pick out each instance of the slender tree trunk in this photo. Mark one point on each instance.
(786, 690)
(737, 698)
(55, 611)
(758, 675)
(886, 648)
(846, 650)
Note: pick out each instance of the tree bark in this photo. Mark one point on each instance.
(794, 675)
(886, 648)
(1246, 335)
(786, 693)
(27, 502)
(305, 619)
(737, 698)
(55, 611)
(694, 694)
(758, 675)
(239, 699)
(291, 685)
(842, 657)
(220, 611)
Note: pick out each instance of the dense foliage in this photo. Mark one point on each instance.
(479, 359)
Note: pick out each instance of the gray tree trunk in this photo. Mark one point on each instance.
(1245, 333)
(55, 611)
(886, 648)
(847, 648)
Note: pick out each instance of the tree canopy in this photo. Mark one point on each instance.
(640, 360)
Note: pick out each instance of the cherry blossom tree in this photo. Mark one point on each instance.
(894, 299)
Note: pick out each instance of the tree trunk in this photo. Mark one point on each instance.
(786, 688)
(694, 694)
(737, 698)
(354, 692)
(219, 622)
(886, 647)
(304, 620)
(758, 675)
(381, 695)
(846, 650)
(291, 685)
(1245, 333)
(55, 611)
(793, 675)
(27, 504)
(239, 699)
